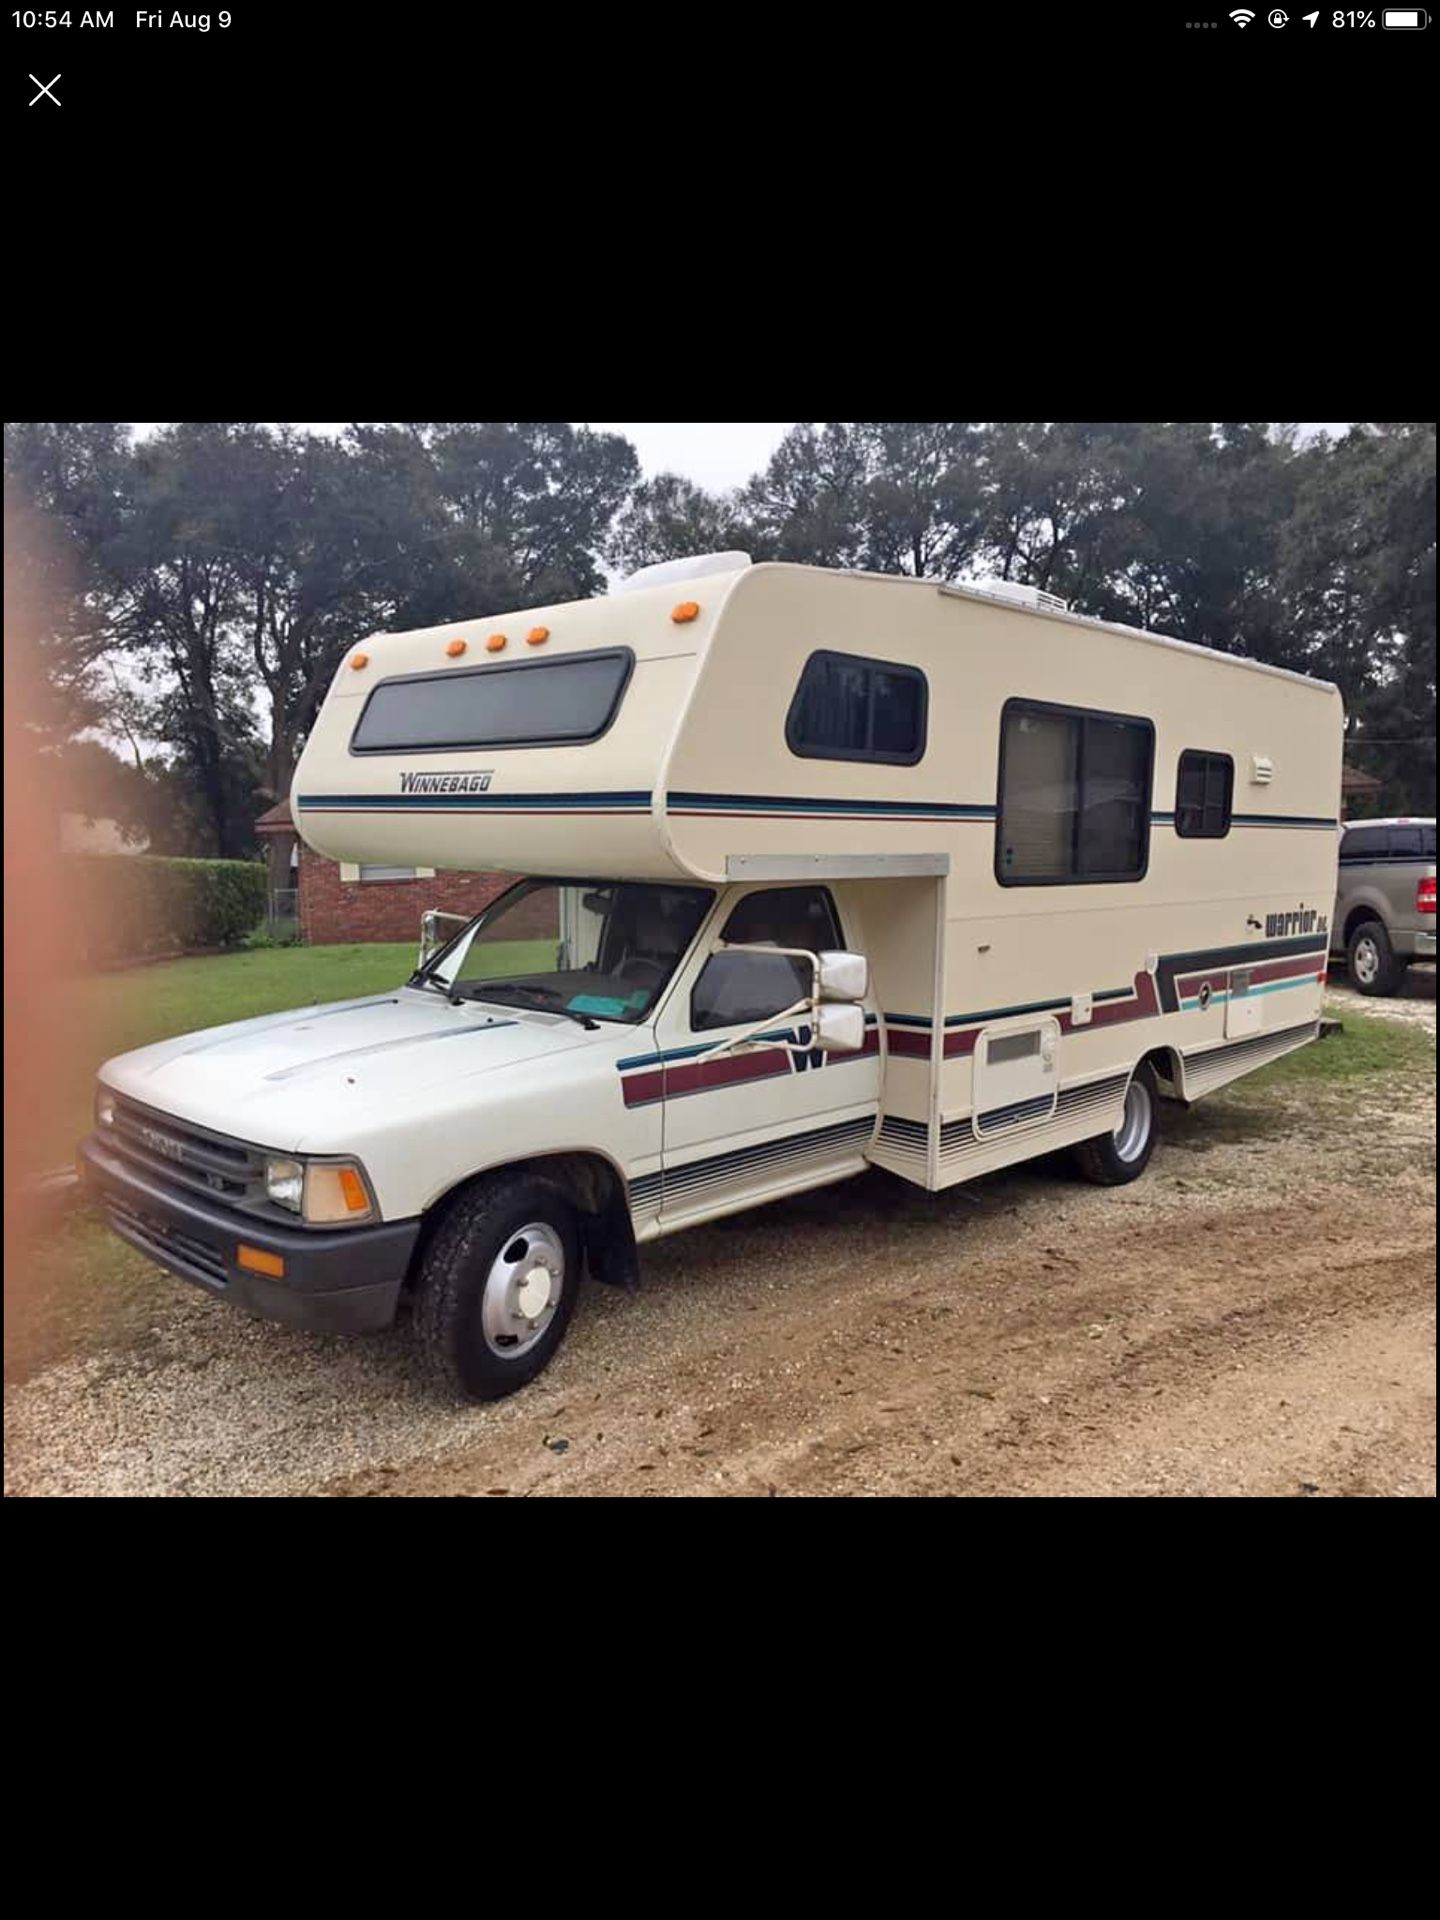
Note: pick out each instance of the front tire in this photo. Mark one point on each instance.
(498, 1285)
(1115, 1159)
(1375, 967)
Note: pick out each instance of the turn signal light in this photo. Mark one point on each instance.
(687, 610)
(1425, 896)
(456, 648)
(496, 643)
(537, 636)
(258, 1261)
(358, 660)
(353, 1189)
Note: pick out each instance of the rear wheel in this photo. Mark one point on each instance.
(1375, 967)
(498, 1285)
(1114, 1159)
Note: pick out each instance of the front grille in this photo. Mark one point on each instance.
(177, 1154)
(167, 1243)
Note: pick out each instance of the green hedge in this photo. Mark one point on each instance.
(138, 906)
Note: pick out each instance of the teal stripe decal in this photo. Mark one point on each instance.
(1268, 986)
(1002, 1013)
(451, 802)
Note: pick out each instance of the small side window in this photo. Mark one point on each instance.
(848, 708)
(1204, 792)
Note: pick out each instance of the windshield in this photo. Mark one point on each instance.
(602, 948)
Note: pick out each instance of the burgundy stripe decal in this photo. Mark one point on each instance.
(702, 1076)
(1105, 1013)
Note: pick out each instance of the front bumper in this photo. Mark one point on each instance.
(343, 1282)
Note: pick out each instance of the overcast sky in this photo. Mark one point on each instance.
(716, 453)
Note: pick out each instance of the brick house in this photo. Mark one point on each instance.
(338, 903)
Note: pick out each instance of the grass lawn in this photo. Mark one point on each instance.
(1369, 1044)
(112, 1012)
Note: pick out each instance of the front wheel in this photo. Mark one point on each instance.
(498, 1285)
(1114, 1159)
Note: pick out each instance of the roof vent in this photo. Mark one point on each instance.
(666, 573)
(1023, 596)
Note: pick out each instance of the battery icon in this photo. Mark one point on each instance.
(1405, 17)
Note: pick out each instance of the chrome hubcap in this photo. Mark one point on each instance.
(522, 1290)
(1367, 959)
(1134, 1128)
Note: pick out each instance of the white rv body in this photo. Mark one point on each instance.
(1008, 1006)
(695, 781)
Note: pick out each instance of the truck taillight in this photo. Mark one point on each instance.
(1425, 896)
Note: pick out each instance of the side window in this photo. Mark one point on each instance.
(1204, 790)
(734, 988)
(848, 708)
(1074, 796)
(1362, 843)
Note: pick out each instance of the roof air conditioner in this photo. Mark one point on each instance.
(666, 573)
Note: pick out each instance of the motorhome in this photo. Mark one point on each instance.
(815, 872)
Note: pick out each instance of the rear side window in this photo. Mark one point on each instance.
(1204, 789)
(1364, 843)
(1409, 843)
(847, 708)
(545, 703)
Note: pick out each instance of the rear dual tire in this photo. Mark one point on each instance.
(1115, 1159)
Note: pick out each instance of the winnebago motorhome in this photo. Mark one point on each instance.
(819, 871)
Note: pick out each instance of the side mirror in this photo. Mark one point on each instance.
(839, 1028)
(436, 928)
(843, 976)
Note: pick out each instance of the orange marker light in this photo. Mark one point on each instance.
(496, 643)
(687, 610)
(537, 636)
(358, 660)
(456, 648)
(258, 1261)
(353, 1188)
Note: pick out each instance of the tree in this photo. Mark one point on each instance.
(174, 599)
(670, 518)
(1358, 571)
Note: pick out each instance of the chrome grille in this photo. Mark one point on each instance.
(178, 1154)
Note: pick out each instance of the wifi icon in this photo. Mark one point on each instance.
(1242, 16)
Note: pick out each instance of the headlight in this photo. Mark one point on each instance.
(285, 1183)
(104, 1107)
(332, 1193)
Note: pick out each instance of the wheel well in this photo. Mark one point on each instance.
(1164, 1063)
(595, 1189)
(591, 1182)
(1357, 918)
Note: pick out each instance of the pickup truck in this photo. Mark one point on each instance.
(1385, 907)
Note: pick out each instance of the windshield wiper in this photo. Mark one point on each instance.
(420, 979)
(488, 988)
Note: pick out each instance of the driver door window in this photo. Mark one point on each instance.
(738, 988)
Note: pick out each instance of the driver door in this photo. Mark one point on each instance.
(744, 1126)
